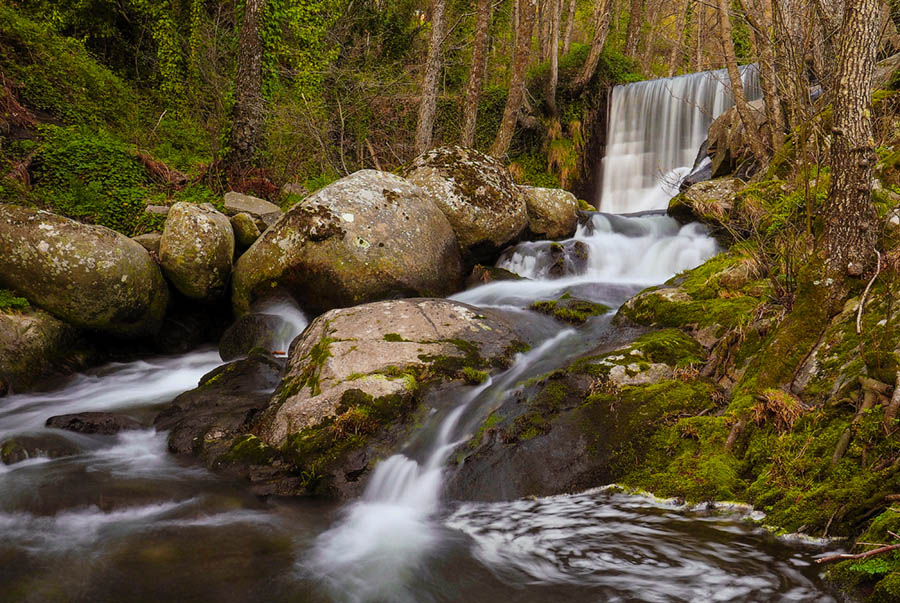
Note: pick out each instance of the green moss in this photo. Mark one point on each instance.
(492, 421)
(570, 310)
(394, 337)
(474, 376)
(670, 346)
(10, 301)
(249, 449)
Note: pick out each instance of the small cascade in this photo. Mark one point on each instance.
(381, 540)
(655, 128)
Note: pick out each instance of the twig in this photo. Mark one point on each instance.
(158, 121)
(372, 153)
(862, 301)
(866, 555)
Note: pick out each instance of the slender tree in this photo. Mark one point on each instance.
(675, 53)
(601, 29)
(526, 14)
(476, 72)
(755, 11)
(431, 79)
(850, 219)
(570, 27)
(555, 9)
(633, 33)
(247, 121)
(737, 86)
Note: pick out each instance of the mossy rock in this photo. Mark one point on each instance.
(367, 237)
(477, 194)
(356, 376)
(570, 310)
(88, 276)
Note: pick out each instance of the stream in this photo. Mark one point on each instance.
(123, 520)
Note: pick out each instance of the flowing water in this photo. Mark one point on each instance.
(654, 130)
(121, 520)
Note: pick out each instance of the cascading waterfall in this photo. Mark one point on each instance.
(654, 131)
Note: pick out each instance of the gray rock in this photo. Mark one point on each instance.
(236, 203)
(552, 212)
(196, 251)
(30, 446)
(32, 344)
(477, 194)
(88, 276)
(245, 230)
(366, 237)
(157, 210)
(253, 330)
(149, 241)
(294, 188)
(103, 423)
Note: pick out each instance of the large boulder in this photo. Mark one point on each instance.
(352, 389)
(88, 276)
(196, 251)
(254, 330)
(33, 343)
(366, 237)
(477, 194)
(552, 212)
(97, 422)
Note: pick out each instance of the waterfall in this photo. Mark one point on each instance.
(654, 131)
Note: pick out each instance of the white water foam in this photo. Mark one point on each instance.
(655, 130)
(382, 539)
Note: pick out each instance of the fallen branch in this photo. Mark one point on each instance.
(869, 398)
(890, 411)
(866, 555)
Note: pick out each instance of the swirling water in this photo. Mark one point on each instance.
(123, 520)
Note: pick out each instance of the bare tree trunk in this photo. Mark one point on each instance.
(697, 60)
(570, 27)
(601, 29)
(428, 106)
(545, 18)
(755, 12)
(680, 29)
(555, 8)
(850, 235)
(632, 34)
(476, 72)
(526, 10)
(751, 131)
(246, 127)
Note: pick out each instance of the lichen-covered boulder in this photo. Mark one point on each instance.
(366, 237)
(552, 212)
(477, 194)
(352, 388)
(254, 330)
(263, 212)
(196, 251)
(32, 344)
(88, 276)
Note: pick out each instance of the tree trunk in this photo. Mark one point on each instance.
(526, 10)
(476, 72)
(570, 27)
(850, 220)
(762, 27)
(428, 106)
(247, 120)
(680, 29)
(554, 56)
(601, 29)
(633, 33)
(545, 18)
(751, 131)
(697, 60)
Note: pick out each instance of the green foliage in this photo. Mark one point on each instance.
(10, 301)
(474, 376)
(89, 175)
(57, 75)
